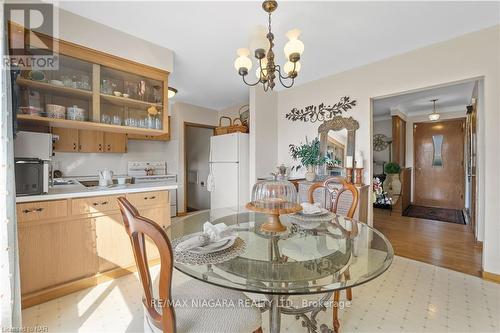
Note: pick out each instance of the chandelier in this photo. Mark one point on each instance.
(434, 115)
(263, 44)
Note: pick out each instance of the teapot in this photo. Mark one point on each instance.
(105, 177)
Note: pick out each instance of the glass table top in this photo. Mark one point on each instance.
(312, 256)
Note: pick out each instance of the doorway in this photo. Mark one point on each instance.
(436, 177)
(197, 152)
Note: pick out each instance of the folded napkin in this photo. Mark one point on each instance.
(308, 208)
(212, 238)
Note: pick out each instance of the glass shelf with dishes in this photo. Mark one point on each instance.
(62, 94)
(93, 90)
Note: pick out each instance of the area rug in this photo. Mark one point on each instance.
(438, 214)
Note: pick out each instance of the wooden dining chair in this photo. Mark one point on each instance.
(161, 313)
(343, 201)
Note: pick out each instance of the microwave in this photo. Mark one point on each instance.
(32, 176)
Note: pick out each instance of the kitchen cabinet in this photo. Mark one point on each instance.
(112, 242)
(71, 244)
(115, 142)
(52, 253)
(90, 141)
(112, 94)
(68, 139)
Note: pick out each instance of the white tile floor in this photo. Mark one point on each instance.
(410, 297)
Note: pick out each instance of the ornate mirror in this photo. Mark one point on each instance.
(337, 141)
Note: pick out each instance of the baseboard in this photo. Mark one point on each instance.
(491, 276)
(48, 294)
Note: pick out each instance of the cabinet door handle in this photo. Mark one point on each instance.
(145, 198)
(95, 203)
(74, 146)
(39, 209)
(104, 203)
(100, 147)
(109, 147)
(153, 197)
(26, 211)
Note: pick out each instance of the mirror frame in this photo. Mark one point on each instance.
(338, 123)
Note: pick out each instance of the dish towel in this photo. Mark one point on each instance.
(211, 234)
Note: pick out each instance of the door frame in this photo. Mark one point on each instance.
(481, 152)
(187, 124)
(414, 173)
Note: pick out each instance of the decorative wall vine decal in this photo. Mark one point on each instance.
(321, 112)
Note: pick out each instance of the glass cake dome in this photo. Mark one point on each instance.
(274, 196)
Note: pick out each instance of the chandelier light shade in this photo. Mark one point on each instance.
(261, 44)
(434, 115)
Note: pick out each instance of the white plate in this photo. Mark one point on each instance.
(214, 247)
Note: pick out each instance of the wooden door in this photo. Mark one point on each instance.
(52, 253)
(399, 141)
(90, 141)
(68, 139)
(115, 142)
(439, 184)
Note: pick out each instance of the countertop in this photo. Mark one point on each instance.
(79, 191)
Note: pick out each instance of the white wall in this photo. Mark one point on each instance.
(85, 164)
(82, 31)
(263, 134)
(472, 55)
(197, 156)
(381, 127)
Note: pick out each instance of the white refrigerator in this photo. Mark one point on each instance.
(228, 180)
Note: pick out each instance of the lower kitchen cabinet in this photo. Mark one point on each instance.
(112, 243)
(76, 243)
(55, 252)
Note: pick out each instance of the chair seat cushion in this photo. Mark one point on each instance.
(204, 308)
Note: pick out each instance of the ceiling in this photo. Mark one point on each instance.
(337, 35)
(451, 98)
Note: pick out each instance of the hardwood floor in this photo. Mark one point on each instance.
(442, 244)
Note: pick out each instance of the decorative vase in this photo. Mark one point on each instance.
(311, 173)
(392, 185)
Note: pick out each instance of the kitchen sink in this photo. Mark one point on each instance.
(94, 183)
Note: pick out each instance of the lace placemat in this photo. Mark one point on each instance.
(191, 258)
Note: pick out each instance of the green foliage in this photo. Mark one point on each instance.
(392, 167)
(308, 154)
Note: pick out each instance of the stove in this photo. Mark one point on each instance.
(154, 172)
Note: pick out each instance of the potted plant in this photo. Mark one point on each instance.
(309, 155)
(392, 183)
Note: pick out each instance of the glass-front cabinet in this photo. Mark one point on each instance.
(91, 90)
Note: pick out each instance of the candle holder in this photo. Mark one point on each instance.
(358, 176)
(349, 174)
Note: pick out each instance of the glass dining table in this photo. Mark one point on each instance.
(311, 257)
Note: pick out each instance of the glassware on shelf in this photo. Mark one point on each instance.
(67, 81)
(158, 124)
(141, 89)
(85, 81)
(157, 94)
(106, 87)
(117, 120)
(105, 119)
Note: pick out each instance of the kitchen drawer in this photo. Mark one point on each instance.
(94, 205)
(41, 210)
(156, 198)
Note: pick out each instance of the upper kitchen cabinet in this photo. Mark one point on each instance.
(92, 90)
